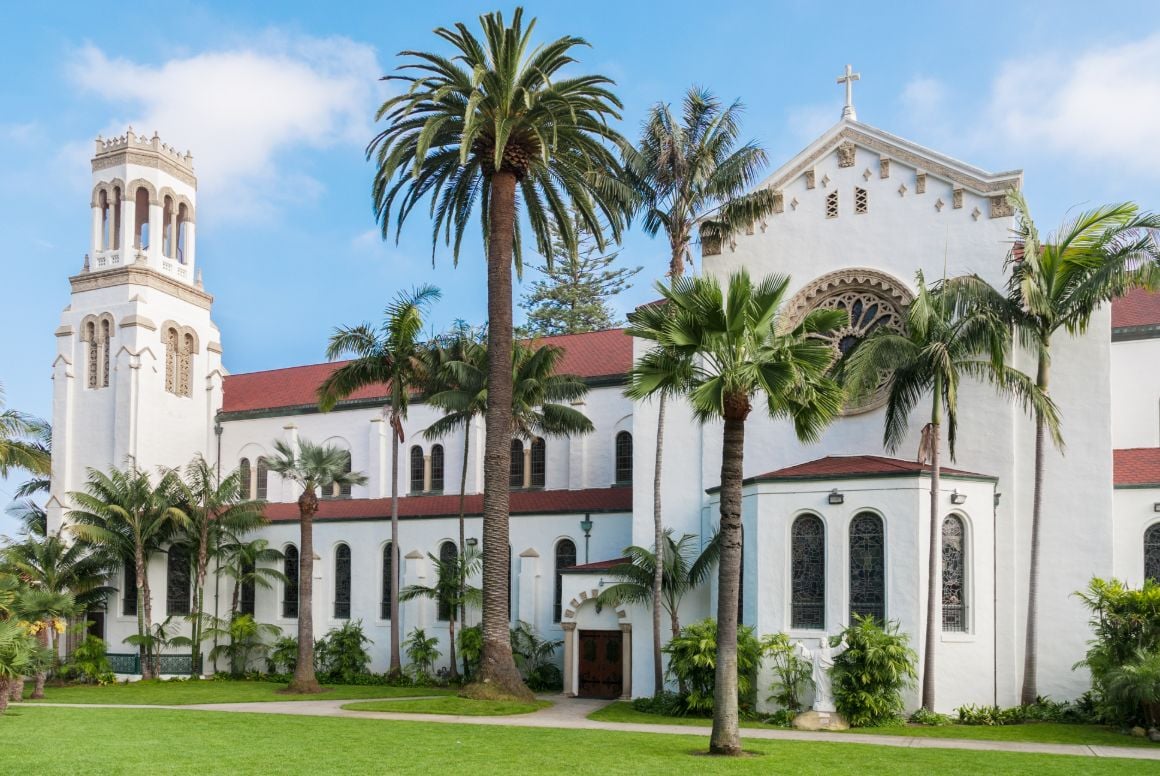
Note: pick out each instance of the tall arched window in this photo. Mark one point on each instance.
(437, 468)
(167, 240)
(624, 458)
(129, 590)
(539, 463)
(388, 581)
(177, 583)
(808, 573)
(417, 476)
(342, 582)
(516, 480)
(248, 592)
(94, 356)
(179, 349)
(1152, 552)
(263, 479)
(116, 218)
(106, 333)
(447, 554)
(867, 567)
(182, 224)
(290, 589)
(141, 218)
(954, 574)
(106, 224)
(565, 559)
(244, 482)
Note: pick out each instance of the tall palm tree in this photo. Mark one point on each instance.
(311, 467)
(23, 442)
(724, 348)
(17, 647)
(690, 176)
(1058, 286)
(542, 398)
(126, 514)
(944, 341)
(498, 127)
(242, 561)
(389, 355)
(450, 590)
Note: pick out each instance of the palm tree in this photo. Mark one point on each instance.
(723, 348)
(1058, 285)
(48, 612)
(689, 175)
(390, 355)
(242, 561)
(312, 467)
(125, 514)
(541, 398)
(450, 590)
(497, 127)
(944, 341)
(24, 444)
(17, 647)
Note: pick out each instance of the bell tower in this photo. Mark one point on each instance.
(137, 377)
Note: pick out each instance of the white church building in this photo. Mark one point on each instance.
(831, 529)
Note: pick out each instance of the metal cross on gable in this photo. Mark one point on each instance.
(848, 79)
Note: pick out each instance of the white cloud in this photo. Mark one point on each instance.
(1100, 105)
(923, 96)
(244, 110)
(807, 122)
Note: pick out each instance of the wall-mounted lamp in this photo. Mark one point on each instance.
(836, 497)
(472, 542)
(1156, 507)
(958, 498)
(586, 527)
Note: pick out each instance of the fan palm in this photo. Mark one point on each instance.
(24, 444)
(689, 174)
(1058, 285)
(944, 341)
(723, 348)
(450, 590)
(390, 355)
(311, 467)
(125, 514)
(494, 128)
(17, 647)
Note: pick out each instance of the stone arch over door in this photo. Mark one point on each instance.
(586, 600)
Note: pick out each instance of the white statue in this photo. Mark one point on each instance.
(823, 660)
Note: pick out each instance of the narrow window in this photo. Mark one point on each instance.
(141, 219)
(867, 567)
(185, 366)
(171, 360)
(832, 205)
(93, 359)
(437, 468)
(167, 238)
(116, 218)
(129, 590)
(565, 559)
(248, 590)
(346, 488)
(416, 470)
(954, 574)
(263, 478)
(342, 582)
(808, 573)
(182, 219)
(516, 479)
(388, 581)
(244, 483)
(539, 462)
(861, 201)
(103, 203)
(177, 582)
(1152, 553)
(290, 589)
(106, 333)
(624, 458)
(447, 555)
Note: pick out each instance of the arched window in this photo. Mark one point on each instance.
(624, 458)
(106, 226)
(141, 218)
(345, 489)
(94, 363)
(248, 590)
(1152, 552)
(168, 238)
(182, 223)
(106, 333)
(565, 559)
(867, 567)
(342, 582)
(179, 349)
(447, 554)
(517, 466)
(177, 583)
(290, 589)
(116, 218)
(129, 590)
(263, 479)
(388, 581)
(539, 463)
(954, 574)
(334, 489)
(437, 468)
(808, 573)
(244, 483)
(417, 466)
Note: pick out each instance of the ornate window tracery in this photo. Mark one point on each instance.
(96, 333)
(954, 574)
(832, 205)
(861, 201)
(867, 567)
(342, 582)
(1152, 553)
(180, 347)
(808, 573)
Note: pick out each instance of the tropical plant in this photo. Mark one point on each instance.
(792, 673)
(247, 641)
(246, 562)
(535, 658)
(722, 348)
(422, 652)
(89, 662)
(943, 341)
(125, 514)
(283, 656)
(693, 659)
(24, 442)
(496, 127)
(46, 614)
(689, 175)
(16, 655)
(450, 590)
(342, 653)
(389, 355)
(311, 467)
(1057, 286)
(869, 676)
(156, 640)
(469, 642)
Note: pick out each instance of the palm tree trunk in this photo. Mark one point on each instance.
(498, 676)
(396, 667)
(451, 636)
(144, 613)
(5, 688)
(658, 544)
(41, 674)
(199, 595)
(1030, 691)
(726, 736)
(462, 540)
(235, 598)
(16, 689)
(304, 680)
(934, 559)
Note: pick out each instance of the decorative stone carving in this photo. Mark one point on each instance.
(957, 199)
(866, 174)
(884, 167)
(793, 203)
(810, 179)
(902, 189)
(778, 202)
(920, 183)
(825, 180)
(136, 274)
(939, 204)
(976, 213)
(846, 154)
(1001, 207)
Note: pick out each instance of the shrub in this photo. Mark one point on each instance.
(89, 662)
(693, 661)
(245, 642)
(870, 675)
(422, 652)
(283, 655)
(469, 648)
(934, 719)
(534, 658)
(341, 655)
(782, 718)
(667, 704)
(792, 672)
(990, 716)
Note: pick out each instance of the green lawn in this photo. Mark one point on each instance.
(1040, 732)
(183, 693)
(464, 707)
(44, 740)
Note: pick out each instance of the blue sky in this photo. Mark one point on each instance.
(276, 102)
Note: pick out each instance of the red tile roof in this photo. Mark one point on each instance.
(1136, 308)
(600, 565)
(530, 502)
(593, 355)
(844, 466)
(1136, 466)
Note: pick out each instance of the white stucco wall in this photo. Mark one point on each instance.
(1136, 389)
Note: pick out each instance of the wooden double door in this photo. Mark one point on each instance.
(601, 664)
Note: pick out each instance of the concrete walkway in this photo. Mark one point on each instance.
(572, 714)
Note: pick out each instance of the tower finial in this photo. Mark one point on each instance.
(848, 79)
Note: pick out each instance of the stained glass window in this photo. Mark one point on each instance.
(565, 559)
(417, 477)
(248, 591)
(808, 573)
(539, 463)
(623, 458)
(867, 567)
(954, 575)
(263, 478)
(244, 478)
(177, 582)
(388, 581)
(447, 554)
(342, 582)
(437, 468)
(516, 471)
(290, 589)
(129, 590)
(1152, 553)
